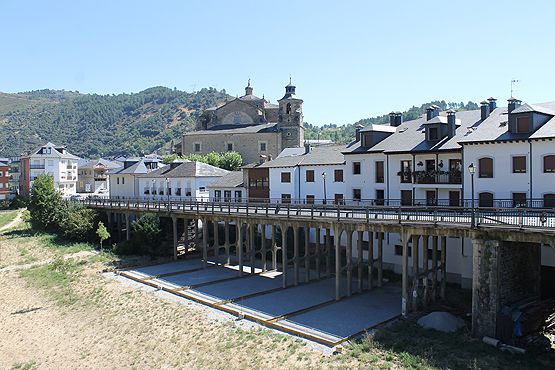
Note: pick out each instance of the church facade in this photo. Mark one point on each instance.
(250, 126)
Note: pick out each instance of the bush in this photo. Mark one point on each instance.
(146, 235)
(78, 223)
(45, 204)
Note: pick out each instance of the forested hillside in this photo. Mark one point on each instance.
(346, 133)
(100, 125)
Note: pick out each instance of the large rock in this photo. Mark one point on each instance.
(441, 321)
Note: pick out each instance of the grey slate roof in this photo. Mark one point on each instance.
(320, 155)
(135, 169)
(233, 179)
(495, 127)
(187, 169)
(56, 153)
(236, 129)
(110, 165)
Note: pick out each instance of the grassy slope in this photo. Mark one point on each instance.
(7, 216)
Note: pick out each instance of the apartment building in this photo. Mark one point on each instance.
(4, 179)
(180, 180)
(54, 160)
(93, 175)
(228, 188)
(123, 182)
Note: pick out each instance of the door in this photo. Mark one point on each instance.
(455, 171)
(406, 197)
(431, 198)
(519, 200)
(454, 199)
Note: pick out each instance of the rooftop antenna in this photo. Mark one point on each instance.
(513, 83)
(289, 78)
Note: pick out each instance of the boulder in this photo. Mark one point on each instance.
(441, 321)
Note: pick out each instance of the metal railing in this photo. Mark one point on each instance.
(468, 216)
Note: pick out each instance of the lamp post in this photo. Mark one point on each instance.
(152, 190)
(168, 190)
(325, 194)
(472, 170)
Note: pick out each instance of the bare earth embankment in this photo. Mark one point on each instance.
(67, 315)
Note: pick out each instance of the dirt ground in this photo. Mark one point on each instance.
(67, 314)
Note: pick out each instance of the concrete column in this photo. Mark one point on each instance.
(295, 255)
(197, 240)
(127, 227)
(118, 215)
(349, 257)
(426, 297)
(434, 267)
(328, 252)
(274, 248)
(204, 242)
(239, 246)
(443, 266)
(174, 224)
(185, 236)
(263, 250)
(284, 261)
(405, 278)
(216, 242)
(317, 253)
(306, 255)
(337, 239)
(415, 271)
(371, 259)
(380, 237)
(226, 243)
(252, 247)
(360, 263)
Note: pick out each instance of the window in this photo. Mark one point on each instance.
(523, 124)
(406, 172)
(519, 200)
(202, 189)
(485, 168)
(380, 196)
(286, 177)
(433, 134)
(285, 198)
(356, 168)
(399, 250)
(197, 147)
(217, 195)
(431, 198)
(485, 199)
(379, 172)
(238, 196)
(123, 180)
(357, 194)
(117, 180)
(454, 199)
(229, 147)
(309, 176)
(549, 200)
(519, 164)
(227, 195)
(338, 175)
(406, 197)
(549, 163)
(338, 198)
(288, 108)
(310, 199)
(262, 147)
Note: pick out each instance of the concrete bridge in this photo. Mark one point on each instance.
(506, 245)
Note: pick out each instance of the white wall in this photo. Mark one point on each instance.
(126, 188)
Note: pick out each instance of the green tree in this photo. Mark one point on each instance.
(102, 233)
(146, 232)
(231, 161)
(77, 222)
(45, 204)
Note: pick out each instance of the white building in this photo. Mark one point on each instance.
(228, 188)
(302, 174)
(124, 182)
(179, 180)
(54, 160)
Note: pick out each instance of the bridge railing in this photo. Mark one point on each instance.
(473, 216)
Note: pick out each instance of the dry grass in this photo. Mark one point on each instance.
(68, 315)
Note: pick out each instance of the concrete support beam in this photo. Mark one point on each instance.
(274, 248)
(239, 246)
(360, 262)
(443, 266)
(216, 242)
(295, 255)
(317, 252)
(197, 240)
(415, 271)
(284, 260)
(434, 267)
(226, 243)
(306, 255)
(204, 242)
(185, 236)
(263, 249)
(118, 217)
(328, 252)
(380, 237)
(252, 247)
(174, 228)
(349, 257)
(426, 297)
(337, 239)
(405, 277)
(371, 259)
(127, 227)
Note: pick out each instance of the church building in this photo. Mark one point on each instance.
(250, 126)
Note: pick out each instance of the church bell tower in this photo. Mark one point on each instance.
(290, 119)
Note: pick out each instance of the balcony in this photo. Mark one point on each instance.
(37, 167)
(406, 176)
(438, 177)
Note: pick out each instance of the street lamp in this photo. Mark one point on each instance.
(325, 194)
(472, 171)
(168, 189)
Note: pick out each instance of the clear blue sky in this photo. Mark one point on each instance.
(349, 59)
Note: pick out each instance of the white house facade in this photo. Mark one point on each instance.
(123, 182)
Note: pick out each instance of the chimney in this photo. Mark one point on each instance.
(392, 119)
(398, 119)
(451, 123)
(513, 104)
(306, 148)
(358, 127)
(485, 107)
(429, 113)
(492, 104)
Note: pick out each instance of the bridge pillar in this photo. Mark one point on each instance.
(337, 241)
(425, 298)
(252, 246)
(226, 242)
(306, 255)
(284, 259)
(370, 264)
(185, 236)
(239, 246)
(434, 267)
(317, 251)
(349, 262)
(174, 225)
(197, 241)
(204, 242)
(380, 237)
(216, 242)
(405, 277)
(415, 271)
(263, 249)
(295, 255)
(127, 227)
(443, 266)
(328, 251)
(503, 273)
(274, 248)
(119, 225)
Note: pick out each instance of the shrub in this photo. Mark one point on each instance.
(45, 204)
(78, 223)
(146, 235)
